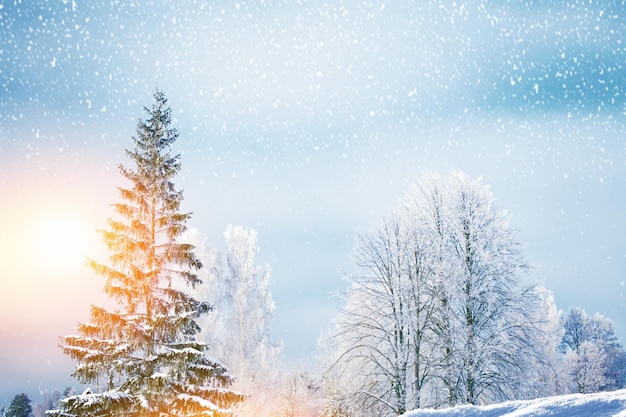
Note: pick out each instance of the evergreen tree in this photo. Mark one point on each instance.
(19, 407)
(144, 356)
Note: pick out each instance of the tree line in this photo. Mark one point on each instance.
(440, 311)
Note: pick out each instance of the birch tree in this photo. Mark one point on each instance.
(250, 314)
(373, 328)
(492, 307)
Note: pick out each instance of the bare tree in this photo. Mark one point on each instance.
(297, 396)
(372, 327)
(497, 331)
(239, 328)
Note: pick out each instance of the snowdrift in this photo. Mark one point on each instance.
(604, 404)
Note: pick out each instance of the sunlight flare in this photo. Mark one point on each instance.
(60, 241)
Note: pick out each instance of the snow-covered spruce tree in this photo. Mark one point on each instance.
(143, 357)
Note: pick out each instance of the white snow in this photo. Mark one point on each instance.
(87, 398)
(604, 404)
(200, 401)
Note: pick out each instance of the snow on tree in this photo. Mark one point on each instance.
(494, 310)
(239, 327)
(427, 209)
(19, 407)
(250, 313)
(547, 376)
(298, 396)
(593, 357)
(586, 367)
(436, 314)
(383, 307)
(376, 347)
(144, 357)
(576, 330)
(615, 369)
(50, 401)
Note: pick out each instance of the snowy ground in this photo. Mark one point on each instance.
(605, 404)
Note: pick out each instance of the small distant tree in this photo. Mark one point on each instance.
(547, 376)
(593, 357)
(616, 370)
(50, 401)
(576, 330)
(586, 368)
(144, 358)
(298, 396)
(19, 407)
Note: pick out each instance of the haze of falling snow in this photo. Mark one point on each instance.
(306, 120)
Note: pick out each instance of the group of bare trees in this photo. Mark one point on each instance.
(437, 313)
(593, 359)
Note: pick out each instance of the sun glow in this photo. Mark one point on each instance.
(60, 241)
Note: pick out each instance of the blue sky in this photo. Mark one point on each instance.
(307, 120)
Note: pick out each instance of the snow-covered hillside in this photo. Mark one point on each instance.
(605, 404)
